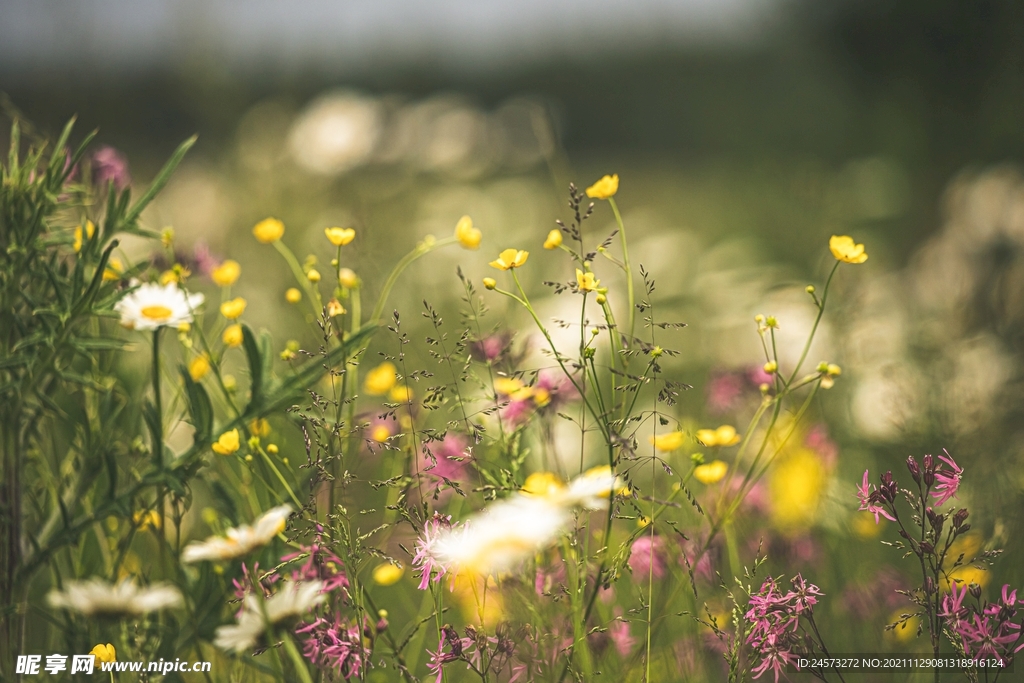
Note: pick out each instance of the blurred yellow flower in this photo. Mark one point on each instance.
(227, 444)
(844, 249)
(169, 277)
(510, 258)
(490, 283)
(144, 519)
(259, 427)
(232, 336)
(113, 270)
(232, 310)
(586, 281)
(380, 380)
(347, 278)
(90, 230)
(543, 484)
(541, 397)
(466, 234)
(400, 394)
(864, 526)
(906, 631)
(198, 367)
(226, 274)
(668, 442)
(710, 473)
(723, 436)
(339, 237)
(380, 433)
(554, 240)
(796, 485)
(605, 188)
(387, 574)
(268, 230)
(334, 308)
(104, 653)
(292, 295)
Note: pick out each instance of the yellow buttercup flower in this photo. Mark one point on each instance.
(710, 473)
(586, 281)
(113, 270)
(226, 274)
(844, 249)
(466, 234)
(268, 230)
(293, 296)
(387, 574)
(228, 443)
(334, 308)
(104, 653)
(339, 237)
(232, 310)
(668, 442)
(145, 519)
(380, 380)
(232, 336)
(723, 436)
(400, 394)
(259, 427)
(797, 483)
(543, 484)
(510, 258)
(490, 283)
(380, 433)
(198, 367)
(605, 188)
(554, 240)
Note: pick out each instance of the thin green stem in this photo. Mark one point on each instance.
(626, 265)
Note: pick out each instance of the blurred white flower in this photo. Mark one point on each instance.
(592, 489)
(294, 599)
(336, 133)
(885, 402)
(241, 540)
(96, 596)
(152, 306)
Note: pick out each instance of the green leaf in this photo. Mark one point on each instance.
(256, 365)
(200, 408)
(161, 179)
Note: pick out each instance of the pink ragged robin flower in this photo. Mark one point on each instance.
(947, 480)
(868, 502)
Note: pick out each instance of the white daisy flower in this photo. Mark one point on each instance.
(592, 489)
(294, 599)
(152, 306)
(241, 540)
(96, 596)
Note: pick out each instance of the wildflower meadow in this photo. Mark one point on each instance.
(479, 453)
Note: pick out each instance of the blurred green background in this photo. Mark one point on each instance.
(745, 133)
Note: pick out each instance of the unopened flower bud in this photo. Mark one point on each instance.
(915, 470)
(960, 517)
(490, 282)
(764, 387)
(313, 275)
(600, 299)
(975, 590)
(697, 458)
(758, 318)
(822, 367)
(810, 289)
(833, 370)
(771, 367)
(927, 547)
(929, 585)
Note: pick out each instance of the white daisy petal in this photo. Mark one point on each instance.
(241, 540)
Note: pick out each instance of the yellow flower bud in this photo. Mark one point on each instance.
(601, 299)
(490, 282)
(380, 380)
(272, 448)
(347, 278)
(387, 574)
(198, 368)
(313, 275)
(292, 295)
(771, 367)
(226, 274)
(268, 230)
(554, 240)
(113, 270)
(232, 336)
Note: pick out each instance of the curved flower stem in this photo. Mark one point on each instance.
(626, 266)
(817, 320)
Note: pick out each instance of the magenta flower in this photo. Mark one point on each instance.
(723, 391)
(618, 631)
(647, 557)
(869, 502)
(430, 568)
(109, 165)
(335, 645)
(947, 481)
(445, 459)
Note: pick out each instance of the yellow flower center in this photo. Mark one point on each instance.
(156, 312)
